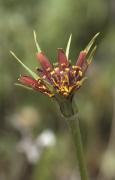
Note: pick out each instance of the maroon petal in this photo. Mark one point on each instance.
(36, 85)
(28, 81)
(62, 59)
(44, 61)
(81, 58)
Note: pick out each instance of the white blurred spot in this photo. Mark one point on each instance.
(47, 138)
(33, 148)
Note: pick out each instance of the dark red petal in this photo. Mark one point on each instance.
(81, 58)
(36, 85)
(26, 80)
(62, 59)
(44, 61)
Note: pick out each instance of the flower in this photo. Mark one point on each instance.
(62, 78)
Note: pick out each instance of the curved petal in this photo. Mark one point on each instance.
(81, 58)
(36, 85)
(44, 61)
(28, 81)
(62, 59)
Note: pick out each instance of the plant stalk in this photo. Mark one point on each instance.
(73, 124)
(71, 117)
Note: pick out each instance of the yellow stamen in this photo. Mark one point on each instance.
(67, 69)
(80, 73)
(52, 73)
(76, 67)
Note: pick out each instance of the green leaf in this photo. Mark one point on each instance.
(68, 46)
(33, 74)
(91, 55)
(91, 42)
(23, 86)
(36, 42)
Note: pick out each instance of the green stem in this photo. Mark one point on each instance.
(76, 135)
(73, 122)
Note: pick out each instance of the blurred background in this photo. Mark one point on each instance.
(34, 139)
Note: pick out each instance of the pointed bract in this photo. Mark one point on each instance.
(23, 86)
(68, 47)
(33, 74)
(35, 39)
(91, 55)
(88, 47)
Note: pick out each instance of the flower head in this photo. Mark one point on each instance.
(62, 78)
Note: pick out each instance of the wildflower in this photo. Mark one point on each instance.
(62, 78)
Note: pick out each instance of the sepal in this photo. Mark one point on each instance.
(33, 74)
(88, 47)
(68, 46)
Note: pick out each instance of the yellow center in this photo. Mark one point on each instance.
(63, 83)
